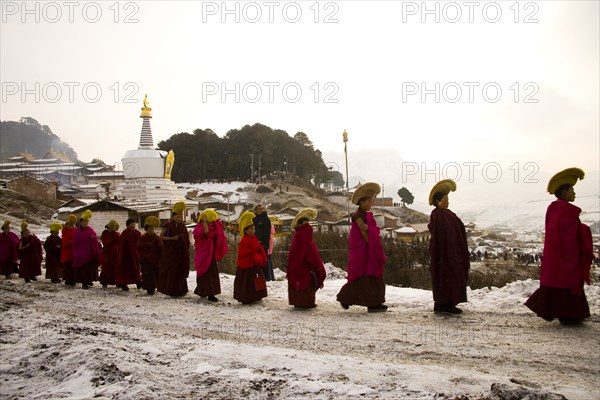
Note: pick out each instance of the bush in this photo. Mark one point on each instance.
(407, 264)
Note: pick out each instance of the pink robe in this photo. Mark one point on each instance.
(365, 258)
(567, 252)
(85, 247)
(209, 245)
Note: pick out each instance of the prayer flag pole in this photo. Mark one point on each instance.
(345, 135)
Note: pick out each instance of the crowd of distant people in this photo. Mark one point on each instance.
(158, 259)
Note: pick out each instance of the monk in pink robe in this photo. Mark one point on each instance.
(210, 244)
(365, 285)
(87, 254)
(566, 263)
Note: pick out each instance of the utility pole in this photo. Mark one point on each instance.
(259, 164)
(345, 136)
(251, 167)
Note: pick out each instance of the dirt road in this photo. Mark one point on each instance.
(106, 343)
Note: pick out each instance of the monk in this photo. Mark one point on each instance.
(305, 271)
(30, 253)
(448, 251)
(9, 250)
(110, 253)
(66, 252)
(128, 265)
(148, 249)
(210, 244)
(52, 246)
(174, 267)
(567, 256)
(365, 286)
(249, 285)
(86, 252)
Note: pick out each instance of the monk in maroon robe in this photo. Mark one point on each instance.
(9, 250)
(450, 258)
(30, 254)
(566, 263)
(305, 271)
(148, 249)
(110, 254)
(128, 266)
(251, 258)
(52, 247)
(174, 267)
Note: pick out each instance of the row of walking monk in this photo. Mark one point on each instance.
(160, 261)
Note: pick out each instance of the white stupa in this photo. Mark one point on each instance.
(147, 170)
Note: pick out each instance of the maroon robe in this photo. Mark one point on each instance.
(305, 272)
(52, 246)
(148, 250)
(9, 252)
(251, 258)
(450, 258)
(110, 256)
(128, 266)
(31, 257)
(174, 266)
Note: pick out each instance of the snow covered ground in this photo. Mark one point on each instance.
(59, 342)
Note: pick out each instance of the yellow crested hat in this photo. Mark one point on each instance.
(112, 224)
(72, 219)
(87, 215)
(24, 225)
(246, 221)
(179, 208)
(152, 221)
(6, 224)
(446, 186)
(55, 227)
(567, 176)
(211, 215)
(309, 213)
(369, 189)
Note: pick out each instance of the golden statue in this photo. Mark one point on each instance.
(169, 162)
(146, 111)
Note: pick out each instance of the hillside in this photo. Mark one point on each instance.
(29, 136)
(275, 194)
(17, 207)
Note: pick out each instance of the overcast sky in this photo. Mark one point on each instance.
(452, 82)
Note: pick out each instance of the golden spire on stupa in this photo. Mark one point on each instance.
(146, 111)
(146, 142)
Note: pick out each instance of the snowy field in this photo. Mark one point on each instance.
(58, 342)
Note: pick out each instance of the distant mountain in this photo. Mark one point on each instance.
(30, 137)
(489, 197)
